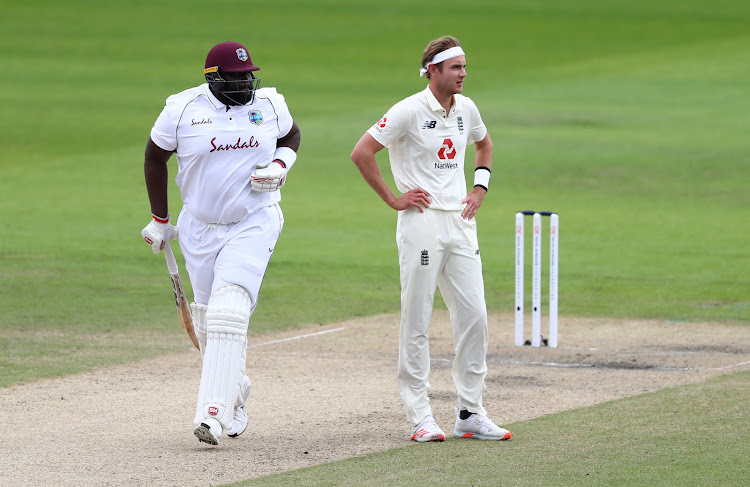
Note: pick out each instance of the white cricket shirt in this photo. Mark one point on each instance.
(218, 148)
(426, 146)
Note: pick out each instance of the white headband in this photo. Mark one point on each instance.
(442, 56)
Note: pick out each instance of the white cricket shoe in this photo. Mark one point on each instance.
(480, 427)
(239, 421)
(209, 431)
(427, 430)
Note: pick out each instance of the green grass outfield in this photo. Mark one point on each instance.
(648, 440)
(629, 118)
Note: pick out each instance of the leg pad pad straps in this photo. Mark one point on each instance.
(227, 318)
(200, 325)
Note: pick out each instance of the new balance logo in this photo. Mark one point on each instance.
(425, 260)
(429, 124)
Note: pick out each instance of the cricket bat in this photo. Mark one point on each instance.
(183, 309)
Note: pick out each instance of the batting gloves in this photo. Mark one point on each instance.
(157, 232)
(269, 177)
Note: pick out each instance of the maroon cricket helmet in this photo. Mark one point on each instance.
(230, 57)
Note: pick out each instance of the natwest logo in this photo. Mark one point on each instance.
(447, 151)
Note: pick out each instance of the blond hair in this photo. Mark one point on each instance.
(438, 45)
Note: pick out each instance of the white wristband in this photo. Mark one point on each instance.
(285, 154)
(482, 177)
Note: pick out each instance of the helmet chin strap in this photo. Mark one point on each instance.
(228, 91)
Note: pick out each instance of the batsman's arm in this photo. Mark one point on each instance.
(157, 177)
(292, 139)
(287, 147)
(363, 156)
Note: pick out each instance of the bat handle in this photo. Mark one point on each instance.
(171, 261)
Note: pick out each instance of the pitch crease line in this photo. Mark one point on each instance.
(298, 337)
(732, 366)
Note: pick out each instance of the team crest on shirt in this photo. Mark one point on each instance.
(242, 54)
(381, 123)
(256, 117)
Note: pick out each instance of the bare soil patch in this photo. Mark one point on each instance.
(328, 392)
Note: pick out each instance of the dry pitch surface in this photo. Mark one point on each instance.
(328, 392)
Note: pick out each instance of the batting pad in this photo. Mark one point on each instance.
(227, 317)
(199, 325)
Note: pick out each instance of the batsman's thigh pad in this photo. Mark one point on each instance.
(227, 317)
(200, 325)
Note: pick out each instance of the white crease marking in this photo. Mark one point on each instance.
(731, 366)
(298, 337)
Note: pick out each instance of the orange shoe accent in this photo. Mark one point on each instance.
(508, 436)
(421, 433)
(467, 435)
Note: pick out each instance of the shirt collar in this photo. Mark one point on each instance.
(212, 98)
(435, 105)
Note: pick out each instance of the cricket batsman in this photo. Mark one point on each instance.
(235, 143)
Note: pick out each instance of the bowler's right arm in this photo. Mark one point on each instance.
(363, 156)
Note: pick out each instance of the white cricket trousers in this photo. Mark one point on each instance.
(439, 248)
(217, 255)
